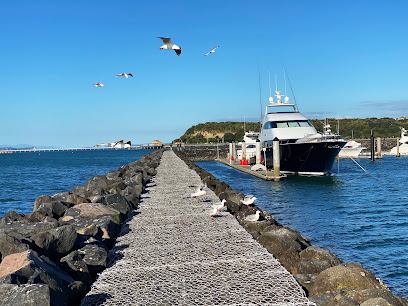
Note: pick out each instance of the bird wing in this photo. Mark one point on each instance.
(166, 40)
(130, 74)
(249, 196)
(207, 53)
(178, 52)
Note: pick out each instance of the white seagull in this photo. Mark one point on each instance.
(220, 205)
(124, 74)
(98, 85)
(169, 45)
(253, 218)
(199, 191)
(212, 50)
(213, 212)
(248, 200)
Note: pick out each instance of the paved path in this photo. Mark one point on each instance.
(172, 253)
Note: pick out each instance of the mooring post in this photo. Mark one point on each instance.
(398, 152)
(230, 152)
(379, 147)
(257, 152)
(372, 146)
(234, 151)
(264, 150)
(276, 159)
(243, 148)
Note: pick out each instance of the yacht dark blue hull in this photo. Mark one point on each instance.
(312, 158)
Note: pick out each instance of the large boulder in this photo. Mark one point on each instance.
(13, 216)
(28, 268)
(13, 243)
(344, 276)
(314, 260)
(25, 295)
(42, 199)
(74, 264)
(54, 209)
(94, 256)
(96, 182)
(285, 244)
(93, 211)
(56, 242)
(118, 202)
(26, 229)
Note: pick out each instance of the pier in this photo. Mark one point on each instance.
(171, 252)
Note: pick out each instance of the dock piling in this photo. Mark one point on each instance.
(276, 159)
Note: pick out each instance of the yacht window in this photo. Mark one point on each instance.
(281, 124)
(251, 146)
(305, 123)
(270, 125)
(293, 124)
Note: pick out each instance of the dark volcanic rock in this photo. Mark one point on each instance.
(95, 257)
(285, 244)
(42, 199)
(27, 295)
(54, 209)
(13, 243)
(74, 264)
(28, 268)
(26, 229)
(56, 242)
(118, 202)
(12, 216)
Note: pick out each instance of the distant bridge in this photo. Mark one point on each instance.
(138, 147)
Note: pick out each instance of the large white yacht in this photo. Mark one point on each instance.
(303, 150)
(403, 144)
(249, 141)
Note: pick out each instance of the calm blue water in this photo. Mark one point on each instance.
(358, 217)
(25, 176)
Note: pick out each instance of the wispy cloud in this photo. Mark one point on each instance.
(379, 109)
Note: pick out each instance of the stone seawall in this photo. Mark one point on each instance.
(52, 255)
(324, 277)
(204, 154)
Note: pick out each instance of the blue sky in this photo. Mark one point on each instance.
(344, 59)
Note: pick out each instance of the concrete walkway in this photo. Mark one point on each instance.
(172, 253)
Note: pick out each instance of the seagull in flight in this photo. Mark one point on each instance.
(127, 75)
(98, 85)
(169, 45)
(212, 51)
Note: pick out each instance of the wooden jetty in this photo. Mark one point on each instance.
(262, 174)
(172, 253)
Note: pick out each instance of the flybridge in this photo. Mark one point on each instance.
(280, 106)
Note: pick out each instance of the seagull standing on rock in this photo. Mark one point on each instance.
(127, 75)
(248, 200)
(212, 51)
(199, 191)
(253, 218)
(168, 45)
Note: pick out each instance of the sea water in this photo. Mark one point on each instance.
(359, 217)
(25, 176)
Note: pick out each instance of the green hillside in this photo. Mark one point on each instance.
(234, 131)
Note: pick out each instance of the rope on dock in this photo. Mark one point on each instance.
(171, 252)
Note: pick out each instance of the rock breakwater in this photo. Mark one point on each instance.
(324, 277)
(53, 254)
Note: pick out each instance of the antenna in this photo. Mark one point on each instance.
(284, 77)
(276, 83)
(270, 92)
(290, 84)
(260, 95)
